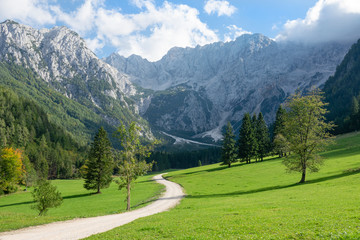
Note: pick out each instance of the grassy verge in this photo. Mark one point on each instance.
(261, 201)
(15, 211)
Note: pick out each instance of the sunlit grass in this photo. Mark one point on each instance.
(261, 201)
(15, 211)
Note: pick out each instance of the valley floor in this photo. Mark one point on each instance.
(80, 228)
(261, 201)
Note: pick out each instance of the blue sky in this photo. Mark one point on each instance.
(149, 28)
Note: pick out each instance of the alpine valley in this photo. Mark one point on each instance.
(190, 93)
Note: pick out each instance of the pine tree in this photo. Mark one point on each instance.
(246, 139)
(228, 150)
(100, 163)
(262, 136)
(255, 142)
(354, 120)
(279, 130)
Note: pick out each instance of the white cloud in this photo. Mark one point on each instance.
(153, 31)
(234, 32)
(82, 19)
(95, 44)
(328, 20)
(219, 7)
(149, 33)
(32, 12)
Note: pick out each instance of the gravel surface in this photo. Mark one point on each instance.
(84, 227)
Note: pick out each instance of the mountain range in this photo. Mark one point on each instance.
(189, 93)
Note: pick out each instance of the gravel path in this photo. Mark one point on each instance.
(84, 227)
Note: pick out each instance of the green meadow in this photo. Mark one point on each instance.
(15, 211)
(261, 201)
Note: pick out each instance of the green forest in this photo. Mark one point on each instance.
(48, 151)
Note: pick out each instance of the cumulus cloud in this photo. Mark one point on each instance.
(149, 33)
(328, 20)
(153, 31)
(234, 32)
(32, 12)
(219, 7)
(82, 19)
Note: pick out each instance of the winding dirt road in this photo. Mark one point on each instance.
(84, 227)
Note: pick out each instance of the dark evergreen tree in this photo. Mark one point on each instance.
(246, 139)
(262, 136)
(279, 129)
(279, 121)
(255, 143)
(228, 150)
(100, 163)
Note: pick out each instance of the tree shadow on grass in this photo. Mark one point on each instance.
(29, 202)
(265, 189)
(223, 167)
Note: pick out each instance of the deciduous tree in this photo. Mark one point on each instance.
(131, 159)
(11, 169)
(306, 132)
(45, 196)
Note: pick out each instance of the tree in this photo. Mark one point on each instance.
(131, 159)
(45, 196)
(307, 132)
(279, 130)
(255, 142)
(246, 139)
(228, 150)
(11, 169)
(100, 163)
(262, 136)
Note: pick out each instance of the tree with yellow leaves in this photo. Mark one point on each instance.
(11, 169)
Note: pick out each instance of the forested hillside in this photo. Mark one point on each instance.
(342, 92)
(80, 121)
(51, 151)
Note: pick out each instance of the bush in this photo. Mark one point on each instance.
(45, 196)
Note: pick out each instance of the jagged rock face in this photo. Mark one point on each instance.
(251, 74)
(56, 55)
(60, 57)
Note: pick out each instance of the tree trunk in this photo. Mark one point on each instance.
(303, 176)
(98, 189)
(229, 164)
(128, 197)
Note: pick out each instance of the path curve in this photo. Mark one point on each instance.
(84, 227)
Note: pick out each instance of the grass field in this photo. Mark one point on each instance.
(15, 211)
(261, 201)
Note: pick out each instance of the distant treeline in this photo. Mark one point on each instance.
(186, 159)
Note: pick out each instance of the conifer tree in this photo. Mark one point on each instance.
(255, 143)
(246, 139)
(100, 163)
(228, 150)
(279, 130)
(262, 136)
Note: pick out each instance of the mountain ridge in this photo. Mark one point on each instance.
(251, 74)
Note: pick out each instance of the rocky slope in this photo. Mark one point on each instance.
(61, 59)
(199, 89)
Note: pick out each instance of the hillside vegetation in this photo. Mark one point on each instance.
(52, 152)
(261, 201)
